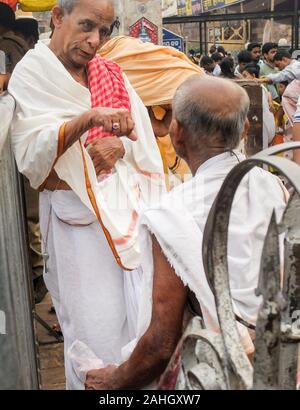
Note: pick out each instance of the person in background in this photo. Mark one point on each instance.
(217, 58)
(289, 69)
(251, 72)
(283, 126)
(221, 50)
(267, 66)
(296, 132)
(255, 50)
(208, 65)
(244, 58)
(12, 45)
(280, 116)
(192, 57)
(28, 29)
(289, 105)
(212, 50)
(282, 87)
(227, 68)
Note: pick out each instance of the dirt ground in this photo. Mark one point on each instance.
(51, 352)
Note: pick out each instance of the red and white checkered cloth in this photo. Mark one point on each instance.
(107, 88)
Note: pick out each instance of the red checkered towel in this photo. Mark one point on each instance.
(107, 88)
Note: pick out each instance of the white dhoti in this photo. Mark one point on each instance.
(86, 284)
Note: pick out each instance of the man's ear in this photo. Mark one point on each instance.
(57, 16)
(246, 129)
(177, 137)
(176, 131)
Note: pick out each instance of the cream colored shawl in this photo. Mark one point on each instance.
(154, 71)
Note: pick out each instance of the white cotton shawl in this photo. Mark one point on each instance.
(46, 96)
(178, 224)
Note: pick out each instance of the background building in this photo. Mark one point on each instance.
(233, 23)
(140, 18)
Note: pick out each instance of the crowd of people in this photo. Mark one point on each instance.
(100, 124)
(279, 76)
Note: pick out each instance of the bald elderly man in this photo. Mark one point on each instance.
(205, 132)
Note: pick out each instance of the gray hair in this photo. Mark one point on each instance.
(198, 121)
(67, 5)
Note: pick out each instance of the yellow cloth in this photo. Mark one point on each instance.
(172, 163)
(155, 72)
(37, 5)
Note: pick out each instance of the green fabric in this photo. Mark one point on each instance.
(266, 69)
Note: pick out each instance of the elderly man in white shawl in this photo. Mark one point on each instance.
(71, 108)
(209, 117)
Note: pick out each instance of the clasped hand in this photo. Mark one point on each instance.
(105, 152)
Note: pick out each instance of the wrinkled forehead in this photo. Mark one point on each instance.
(98, 11)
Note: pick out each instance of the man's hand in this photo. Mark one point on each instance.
(263, 80)
(101, 379)
(161, 126)
(118, 121)
(105, 152)
(4, 78)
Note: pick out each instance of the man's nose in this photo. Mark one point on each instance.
(94, 39)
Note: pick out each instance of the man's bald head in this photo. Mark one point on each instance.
(212, 110)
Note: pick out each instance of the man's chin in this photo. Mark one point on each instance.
(83, 59)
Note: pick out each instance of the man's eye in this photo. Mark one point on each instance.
(87, 26)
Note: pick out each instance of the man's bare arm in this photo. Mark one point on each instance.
(155, 348)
